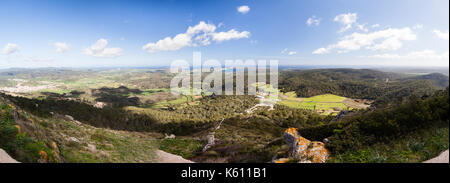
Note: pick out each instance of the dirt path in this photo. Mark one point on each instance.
(5, 158)
(442, 158)
(164, 157)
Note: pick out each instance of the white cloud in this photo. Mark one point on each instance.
(61, 47)
(37, 59)
(292, 53)
(10, 48)
(388, 39)
(286, 51)
(425, 54)
(243, 9)
(231, 34)
(98, 49)
(313, 21)
(201, 34)
(362, 27)
(321, 51)
(418, 26)
(441, 35)
(375, 25)
(347, 20)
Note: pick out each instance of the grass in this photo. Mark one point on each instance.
(153, 91)
(417, 147)
(327, 102)
(185, 148)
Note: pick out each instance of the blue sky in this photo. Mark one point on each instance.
(89, 33)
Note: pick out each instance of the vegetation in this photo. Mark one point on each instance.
(359, 84)
(408, 122)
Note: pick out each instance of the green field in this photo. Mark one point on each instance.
(327, 103)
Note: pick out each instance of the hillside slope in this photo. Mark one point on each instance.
(60, 138)
(360, 83)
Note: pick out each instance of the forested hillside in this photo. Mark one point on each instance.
(360, 83)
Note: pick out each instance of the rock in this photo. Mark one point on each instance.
(69, 118)
(303, 149)
(91, 148)
(104, 154)
(282, 160)
(171, 136)
(99, 105)
(317, 153)
(300, 147)
(77, 122)
(211, 141)
(290, 136)
(73, 139)
(5, 158)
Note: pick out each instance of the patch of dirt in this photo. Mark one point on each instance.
(442, 158)
(164, 157)
(357, 103)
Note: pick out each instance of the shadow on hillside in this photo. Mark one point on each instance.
(118, 97)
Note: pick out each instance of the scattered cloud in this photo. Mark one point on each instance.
(375, 25)
(201, 34)
(253, 41)
(362, 27)
(37, 59)
(441, 35)
(292, 53)
(10, 48)
(388, 39)
(418, 26)
(286, 51)
(321, 51)
(61, 47)
(313, 21)
(231, 34)
(347, 20)
(243, 9)
(425, 54)
(99, 49)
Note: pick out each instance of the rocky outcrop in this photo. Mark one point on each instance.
(5, 158)
(303, 150)
(210, 137)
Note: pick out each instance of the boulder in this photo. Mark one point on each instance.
(69, 118)
(303, 149)
(300, 147)
(290, 136)
(317, 153)
(91, 148)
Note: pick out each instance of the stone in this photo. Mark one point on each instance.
(73, 139)
(317, 153)
(91, 148)
(282, 160)
(300, 147)
(303, 149)
(69, 118)
(171, 136)
(290, 136)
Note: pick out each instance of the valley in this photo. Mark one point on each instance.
(130, 115)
